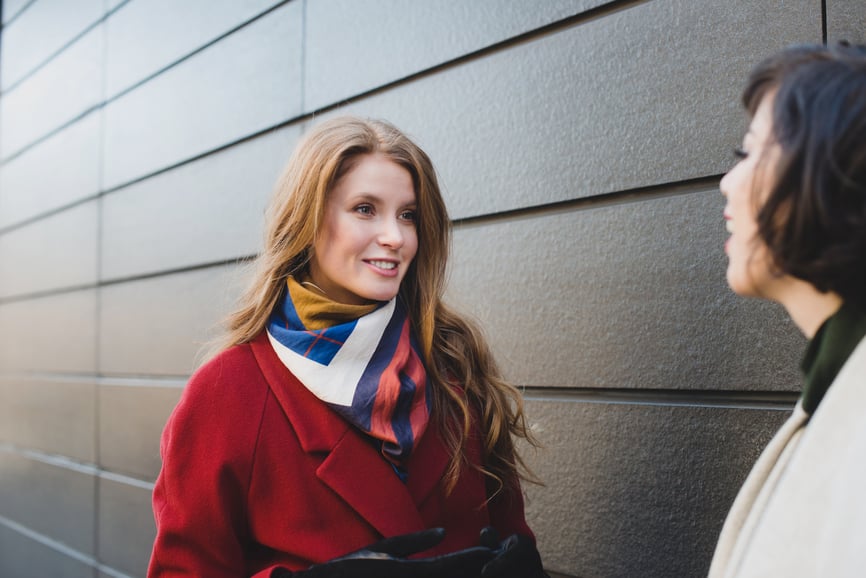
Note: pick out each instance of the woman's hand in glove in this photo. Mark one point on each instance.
(388, 559)
(515, 557)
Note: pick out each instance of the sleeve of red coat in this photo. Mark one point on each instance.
(506, 510)
(200, 496)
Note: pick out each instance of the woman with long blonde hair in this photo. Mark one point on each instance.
(351, 424)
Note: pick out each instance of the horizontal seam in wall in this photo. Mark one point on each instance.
(47, 214)
(23, 297)
(783, 400)
(167, 381)
(60, 547)
(55, 460)
(66, 124)
(47, 293)
(126, 480)
(639, 194)
(39, 66)
(66, 463)
(59, 377)
(197, 50)
(762, 400)
(21, 11)
(144, 381)
(634, 195)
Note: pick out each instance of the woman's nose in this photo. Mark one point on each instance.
(390, 234)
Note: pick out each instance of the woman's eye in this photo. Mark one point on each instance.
(408, 215)
(740, 152)
(364, 209)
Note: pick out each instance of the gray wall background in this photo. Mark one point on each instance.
(580, 144)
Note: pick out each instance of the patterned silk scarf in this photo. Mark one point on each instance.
(362, 361)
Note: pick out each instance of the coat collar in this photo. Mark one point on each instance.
(352, 467)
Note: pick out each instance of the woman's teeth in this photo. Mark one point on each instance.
(383, 264)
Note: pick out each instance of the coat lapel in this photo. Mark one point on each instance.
(352, 468)
(427, 465)
(356, 471)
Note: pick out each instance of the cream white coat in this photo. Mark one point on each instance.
(802, 510)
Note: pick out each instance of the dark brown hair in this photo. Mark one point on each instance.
(814, 218)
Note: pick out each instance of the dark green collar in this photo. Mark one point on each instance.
(828, 352)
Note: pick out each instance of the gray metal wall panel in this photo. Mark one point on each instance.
(601, 106)
(63, 89)
(846, 20)
(353, 46)
(132, 418)
(62, 169)
(53, 253)
(638, 490)
(13, 8)
(40, 32)
(202, 212)
(145, 36)
(248, 82)
(52, 500)
(24, 557)
(56, 333)
(55, 416)
(126, 526)
(629, 295)
(158, 326)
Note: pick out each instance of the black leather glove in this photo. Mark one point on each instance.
(387, 559)
(516, 557)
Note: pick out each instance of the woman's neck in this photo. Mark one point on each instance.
(808, 307)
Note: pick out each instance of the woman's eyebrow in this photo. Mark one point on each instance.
(374, 197)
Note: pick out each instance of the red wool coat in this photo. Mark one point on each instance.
(258, 472)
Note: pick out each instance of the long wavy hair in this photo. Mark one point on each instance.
(463, 377)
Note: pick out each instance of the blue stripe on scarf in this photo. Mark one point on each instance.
(400, 422)
(365, 394)
(320, 345)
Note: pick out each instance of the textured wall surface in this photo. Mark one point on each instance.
(579, 142)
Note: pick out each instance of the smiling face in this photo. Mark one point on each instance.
(368, 236)
(746, 185)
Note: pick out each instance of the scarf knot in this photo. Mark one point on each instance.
(367, 369)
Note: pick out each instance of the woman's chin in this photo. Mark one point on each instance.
(740, 286)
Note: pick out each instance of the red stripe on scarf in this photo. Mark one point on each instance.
(419, 414)
(407, 360)
(389, 391)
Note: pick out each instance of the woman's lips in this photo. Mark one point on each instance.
(383, 266)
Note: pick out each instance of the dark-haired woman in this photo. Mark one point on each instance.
(796, 212)
(352, 424)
